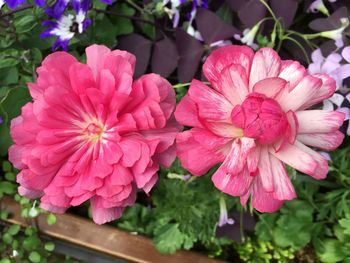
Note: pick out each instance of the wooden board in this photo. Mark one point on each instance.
(104, 239)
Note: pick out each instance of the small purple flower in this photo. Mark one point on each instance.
(67, 26)
(13, 3)
(223, 220)
(331, 65)
(174, 11)
(334, 66)
(318, 5)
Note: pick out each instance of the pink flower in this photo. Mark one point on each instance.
(253, 121)
(91, 133)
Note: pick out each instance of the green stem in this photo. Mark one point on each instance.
(300, 46)
(131, 3)
(269, 9)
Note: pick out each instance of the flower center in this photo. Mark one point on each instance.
(93, 131)
(261, 118)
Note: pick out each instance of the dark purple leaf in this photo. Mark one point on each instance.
(331, 22)
(251, 13)
(165, 57)
(285, 9)
(212, 28)
(140, 47)
(236, 4)
(190, 53)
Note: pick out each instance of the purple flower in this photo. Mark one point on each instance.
(12, 4)
(331, 65)
(223, 220)
(334, 66)
(174, 11)
(318, 5)
(67, 26)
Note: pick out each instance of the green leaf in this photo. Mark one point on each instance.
(7, 187)
(7, 238)
(330, 250)
(25, 24)
(169, 238)
(345, 223)
(123, 26)
(6, 140)
(6, 166)
(50, 246)
(14, 229)
(51, 219)
(15, 99)
(10, 176)
(148, 29)
(9, 76)
(34, 257)
(31, 243)
(225, 13)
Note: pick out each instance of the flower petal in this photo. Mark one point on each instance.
(212, 106)
(283, 188)
(300, 95)
(266, 64)
(270, 87)
(195, 156)
(325, 141)
(319, 121)
(224, 57)
(296, 158)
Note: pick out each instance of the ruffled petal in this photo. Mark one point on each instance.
(195, 155)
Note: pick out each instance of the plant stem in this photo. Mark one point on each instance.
(131, 3)
(16, 10)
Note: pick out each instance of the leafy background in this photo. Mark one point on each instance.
(182, 214)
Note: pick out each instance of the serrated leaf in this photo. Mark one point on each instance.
(330, 250)
(169, 238)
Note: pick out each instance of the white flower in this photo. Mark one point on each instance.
(336, 34)
(2, 2)
(249, 36)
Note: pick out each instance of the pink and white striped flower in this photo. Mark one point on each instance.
(253, 121)
(91, 133)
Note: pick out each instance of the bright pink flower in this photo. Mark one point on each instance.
(91, 133)
(253, 121)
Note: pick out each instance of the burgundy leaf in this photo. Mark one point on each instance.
(140, 47)
(285, 9)
(236, 4)
(190, 53)
(212, 28)
(331, 22)
(251, 13)
(165, 57)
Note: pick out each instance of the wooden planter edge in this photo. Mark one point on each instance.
(104, 239)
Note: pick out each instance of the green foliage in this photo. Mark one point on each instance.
(291, 227)
(259, 251)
